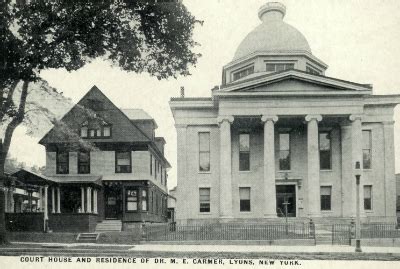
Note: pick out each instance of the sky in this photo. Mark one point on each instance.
(359, 40)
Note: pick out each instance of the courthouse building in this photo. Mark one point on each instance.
(280, 138)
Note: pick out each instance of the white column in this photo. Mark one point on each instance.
(83, 200)
(95, 201)
(269, 166)
(390, 180)
(89, 199)
(357, 156)
(46, 208)
(314, 204)
(53, 200)
(348, 180)
(225, 193)
(58, 200)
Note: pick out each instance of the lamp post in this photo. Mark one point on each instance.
(358, 222)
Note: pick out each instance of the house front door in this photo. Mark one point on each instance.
(286, 200)
(113, 203)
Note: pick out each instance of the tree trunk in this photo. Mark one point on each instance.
(5, 146)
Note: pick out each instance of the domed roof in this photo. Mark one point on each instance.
(273, 34)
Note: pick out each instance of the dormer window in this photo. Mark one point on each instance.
(243, 72)
(277, 67)
(95, 129)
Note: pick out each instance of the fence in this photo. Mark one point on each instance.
(342, 234)
(380, 230)
(225, 231)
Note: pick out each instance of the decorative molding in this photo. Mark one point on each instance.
(355, 117)
(309, 118)
(229, 119)
(272, 118)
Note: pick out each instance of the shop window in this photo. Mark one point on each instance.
(131, 199)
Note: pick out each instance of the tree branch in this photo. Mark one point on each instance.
(5, 104)
(13, 124)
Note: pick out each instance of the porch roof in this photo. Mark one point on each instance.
(27, 178)
(77, 179)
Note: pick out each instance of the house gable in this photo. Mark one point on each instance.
(122, 129)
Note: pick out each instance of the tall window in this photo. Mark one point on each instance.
(62, 160)
(83, 162)
(123, 162)
(131, 199)
(244, 152)
(144, 200)
(284, 151)
(204, 152)
(367, 197)
(366, 137)
(325, 159)
(244, 196)
(243, 73)
(276, 67)
(326, 197)
(204, 195)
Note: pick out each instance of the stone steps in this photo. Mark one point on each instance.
(87, 237)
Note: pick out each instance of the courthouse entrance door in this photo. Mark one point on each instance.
(286, 200)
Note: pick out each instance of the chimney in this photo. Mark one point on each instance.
(182, 92)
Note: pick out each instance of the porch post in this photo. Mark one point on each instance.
(46, 209)
(6, 194)
(58, 200)
(39, 202)
(83, 200)
(12, 202)
(89, 199)
(95, 201)
(313, 165)
(53, 200)
(269, 166)
(225, 194)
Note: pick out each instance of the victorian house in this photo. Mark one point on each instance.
(105, 168)
(280, 138)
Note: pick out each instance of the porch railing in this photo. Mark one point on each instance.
(224, 231)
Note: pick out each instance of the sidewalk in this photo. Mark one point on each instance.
(224, 248)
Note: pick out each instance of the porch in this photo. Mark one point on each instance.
(52, 204)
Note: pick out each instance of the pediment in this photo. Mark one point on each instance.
(294, 82)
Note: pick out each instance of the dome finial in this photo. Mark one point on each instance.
(272, 11)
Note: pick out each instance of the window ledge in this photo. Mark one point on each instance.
(245, 172)
(205, 213)
(204, 172)
(245, 212)
(284, 171)
(326, 211)
(326, 170)
(367, 170)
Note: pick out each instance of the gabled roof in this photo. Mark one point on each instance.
(123, 129)
(136, 114)
(269, 78)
